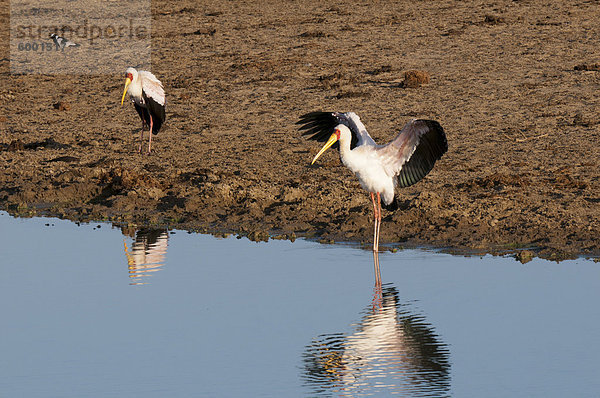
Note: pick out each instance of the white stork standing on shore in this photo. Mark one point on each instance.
(405, 160)
(148, 97)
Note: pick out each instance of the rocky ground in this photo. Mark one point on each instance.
(514, 83)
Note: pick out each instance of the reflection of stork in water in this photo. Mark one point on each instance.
(377, 292)
(391, 351)
(147, 253)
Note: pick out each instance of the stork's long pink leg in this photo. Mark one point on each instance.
(378, 220)
(375, 220)
(150, 136)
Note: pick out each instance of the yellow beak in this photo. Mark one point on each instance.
(127, 83)
(332, 140)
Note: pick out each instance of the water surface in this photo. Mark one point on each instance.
(93, 311)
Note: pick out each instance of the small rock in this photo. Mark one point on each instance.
(415, 78)
(525, 256)
(62, 106)
(493, 19)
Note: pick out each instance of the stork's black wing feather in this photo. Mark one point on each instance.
(156, 110)
(319, 126)
(430, 148)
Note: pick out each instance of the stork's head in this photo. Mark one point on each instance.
(130, 75)
(340, 133)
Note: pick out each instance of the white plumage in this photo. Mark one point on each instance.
(405, 160)
(364, 161)
(144, 81)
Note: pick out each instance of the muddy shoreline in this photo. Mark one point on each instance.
(516, 86)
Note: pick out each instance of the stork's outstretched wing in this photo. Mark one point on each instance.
(319, 126)
(152, 87)
(411, 155)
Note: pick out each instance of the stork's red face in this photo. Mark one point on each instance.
(129, 76)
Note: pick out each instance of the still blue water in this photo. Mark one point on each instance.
(90, 312)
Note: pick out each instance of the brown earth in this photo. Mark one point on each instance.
(514, 83)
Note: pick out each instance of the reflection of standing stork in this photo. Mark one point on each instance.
(148, 97)
(392, 351)
(147, 253)
(379, 168)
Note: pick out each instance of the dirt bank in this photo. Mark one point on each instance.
(515, 84)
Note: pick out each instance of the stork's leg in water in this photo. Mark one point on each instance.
(150, 136)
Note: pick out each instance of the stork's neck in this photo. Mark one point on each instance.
(135, 88)
(355, 159)
(345, 151)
